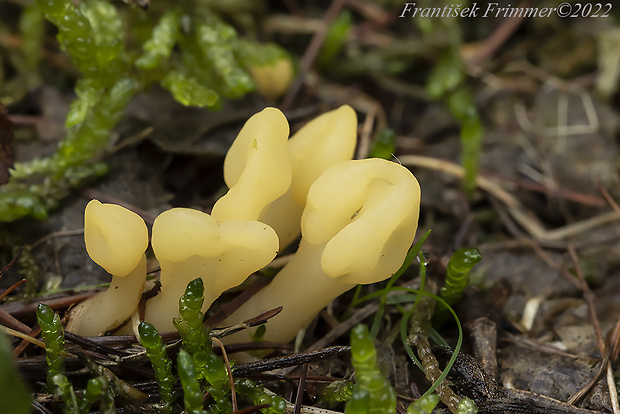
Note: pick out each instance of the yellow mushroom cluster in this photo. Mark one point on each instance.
(357, 219)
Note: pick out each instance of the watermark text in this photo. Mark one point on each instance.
(493, 10)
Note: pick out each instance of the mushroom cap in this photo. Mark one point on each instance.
(224, 253)
(367, 213)
(273, 79)
(257, 168)
(326, 140)
(180, 233)
(115, 237)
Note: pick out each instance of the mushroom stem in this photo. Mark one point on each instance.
(301, 297)
(191, 244)
(98, 313)
(159, 312)
(284, 216)
(116, 240)
(359, 220)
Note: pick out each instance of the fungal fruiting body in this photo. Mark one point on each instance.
(359, 220)
(257, 169)
(324, 141)
(116, 240)
(190, 244)
(273, 79)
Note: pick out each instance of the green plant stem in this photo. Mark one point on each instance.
(419, 327)
(192, 395)
(189, 322)
(424, 405)
(197, 343)
(411, 255)
(162, 365)
(66, 392)
(54, 337)
(255, 393)
(369, 380)
(457, 274)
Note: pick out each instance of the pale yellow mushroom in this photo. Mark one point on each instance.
(191, 244)
(273, 79)
(116, 240)
(257, 169)
(326, 140)
(359, 221)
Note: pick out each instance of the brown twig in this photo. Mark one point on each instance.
(34, 332)
(606, 349)
(609, 199)
(311, 52)
(12, 322)
(21, 309)
(550, 262)
(90, 344)
(219, 317)
(11, 288)
(229, 370)
(364, 143)
(300, 389)
(345, 326)
(615, 347)
(605, 362)
(519, 213)
(570, 195)
(22, 335)
(419, 326)
(91, 193)
(63, 233)
(290, 360)
(580, 282)
(499, 36)
(12, 262)
(371, 11)
(589, 297)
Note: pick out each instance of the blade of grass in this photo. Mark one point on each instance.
(411, 255)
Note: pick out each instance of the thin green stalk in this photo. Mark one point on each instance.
(337, 391)
(411, 255)
(162, 365)
(189, 322)
(466, 406)
(54, 337)
(94, 389)
(255, 393)
(407, 316)
(423, 405)
(192, 394)
(457, 273)
(439, 379)
(370, 383)
(65, 390)
(197, 343)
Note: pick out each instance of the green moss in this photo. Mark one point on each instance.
(186, 49)
(373, 392)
